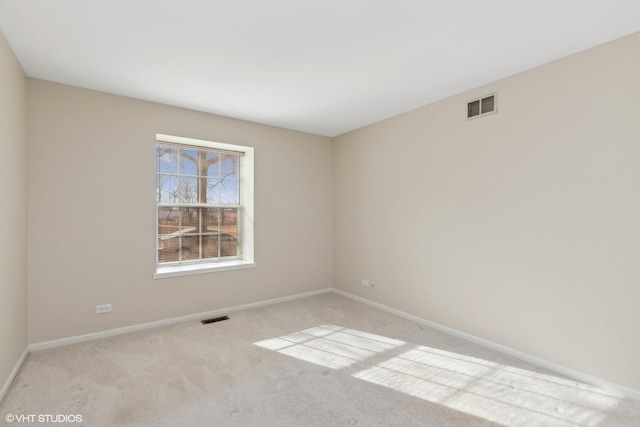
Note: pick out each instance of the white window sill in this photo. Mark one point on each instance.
(186, 270)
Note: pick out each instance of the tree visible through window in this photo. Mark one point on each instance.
(198, 204)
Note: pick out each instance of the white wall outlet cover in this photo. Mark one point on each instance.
(104, 308)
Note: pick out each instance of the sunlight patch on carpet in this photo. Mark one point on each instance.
(490, 390)
(330, 346)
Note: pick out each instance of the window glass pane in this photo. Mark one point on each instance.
(229, 220)
(213, 190)
(487, 104)
(228, 238)
(211, 164)
(229, 191)
(228, 244)
(212, 219)
(168, 220)
(188, 191)
(166, 188)
(167, 252)
(229, 166)
(166, 159)
(168, 226)
(188, 245)
(189, 219)
(188, 162)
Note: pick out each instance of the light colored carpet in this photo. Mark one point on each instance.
(318, 361)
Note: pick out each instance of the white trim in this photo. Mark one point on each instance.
(562, 370)
(12, 375)
(247, 181)
(190, 317)
(222, 146)
(188, 269)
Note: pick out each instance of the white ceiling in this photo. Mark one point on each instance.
(319, 66)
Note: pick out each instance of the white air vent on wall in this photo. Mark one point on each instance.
(482, 106)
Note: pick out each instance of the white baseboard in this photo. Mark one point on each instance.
(562, 370)
(12, 375)
(215, 313)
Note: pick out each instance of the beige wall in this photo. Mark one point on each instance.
(13, 212)
(522, 227)
(92, 210)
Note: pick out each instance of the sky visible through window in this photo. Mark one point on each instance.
(181, 172)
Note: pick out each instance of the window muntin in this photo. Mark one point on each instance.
(198, 205)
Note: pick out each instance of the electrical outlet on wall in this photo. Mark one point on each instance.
(368, 284)
(104, 308)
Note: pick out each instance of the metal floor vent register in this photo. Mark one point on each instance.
(214, 319)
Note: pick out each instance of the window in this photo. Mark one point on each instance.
(204, 206)
(482, 106)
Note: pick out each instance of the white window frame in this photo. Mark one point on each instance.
(246, 259)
